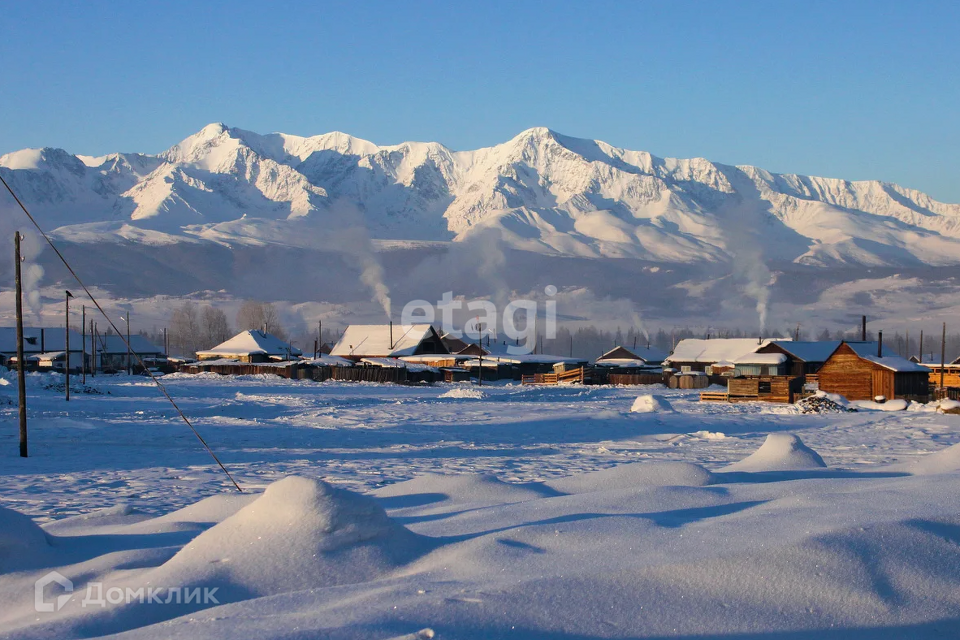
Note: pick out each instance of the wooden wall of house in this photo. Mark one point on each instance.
(775, 388)
(951, 377)
(848, 374)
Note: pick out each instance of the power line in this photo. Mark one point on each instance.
(156, 381)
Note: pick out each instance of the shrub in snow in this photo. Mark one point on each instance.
(300, 534)
(780, 452)
(649, 404)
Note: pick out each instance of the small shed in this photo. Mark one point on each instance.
(860, 371)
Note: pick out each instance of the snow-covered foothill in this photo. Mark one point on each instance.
(649, 404)
(780, 452)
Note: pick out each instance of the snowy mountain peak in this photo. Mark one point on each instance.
(540, 191)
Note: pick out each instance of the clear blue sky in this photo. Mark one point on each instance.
(858, 90)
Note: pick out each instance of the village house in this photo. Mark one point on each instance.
(712, 356)
(361, 341)
(112, 352)
(637, 358)
(252, 346)
(861, 371)
(49, 342)
(802, 357)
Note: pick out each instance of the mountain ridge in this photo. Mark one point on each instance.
(540, 191)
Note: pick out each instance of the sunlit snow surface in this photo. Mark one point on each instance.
(509, 513)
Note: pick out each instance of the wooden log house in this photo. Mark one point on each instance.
(860, 371)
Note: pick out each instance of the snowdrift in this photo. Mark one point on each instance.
(649, 404)
(22, 541)
(638, 474)
(780, 452)
(299, 534)
(943, 461)
(462, 488)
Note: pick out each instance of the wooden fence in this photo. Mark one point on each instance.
(634, 378)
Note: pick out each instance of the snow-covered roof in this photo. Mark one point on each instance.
(714, 349)
(761, 358)
(529, 358)
(491, 347)
(373, 340)
(254, 342)
(868, 351)
(647, 354)
(326, 360)
(53, 339)
(625, 363)
(114, 344)
(397, 363)
(809, 351)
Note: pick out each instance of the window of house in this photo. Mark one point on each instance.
(764, 387)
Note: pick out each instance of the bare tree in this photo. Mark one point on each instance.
(185, 331)
(214, 327)
(260, 315)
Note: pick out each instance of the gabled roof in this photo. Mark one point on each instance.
(114, 344)
(53, 339)
(254, 342)
(373, 340)
(808, 351)
(490, 347)
(453, 343)
(868, 351)
(761, 358)
(646, 354)
(714, 350)
(933, 361)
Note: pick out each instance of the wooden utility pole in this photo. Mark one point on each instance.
(480, 347)
(83, 344)
(93, 348)
(943, 357)
(129, 361)
(921, 346)
(21, 377)
(66, 341)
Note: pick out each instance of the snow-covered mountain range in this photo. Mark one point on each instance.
(541, 191)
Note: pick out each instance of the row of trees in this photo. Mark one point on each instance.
(195, 327)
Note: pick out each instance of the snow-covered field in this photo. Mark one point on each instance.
(459, 512)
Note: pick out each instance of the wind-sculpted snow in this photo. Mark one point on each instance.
(541, 191)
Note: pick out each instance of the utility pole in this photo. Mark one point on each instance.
(93, 347)
(21, 377)
(66, 340)
(129, 366)
(921, 346)
(480, 347)
(83, 344)
(943, 358)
